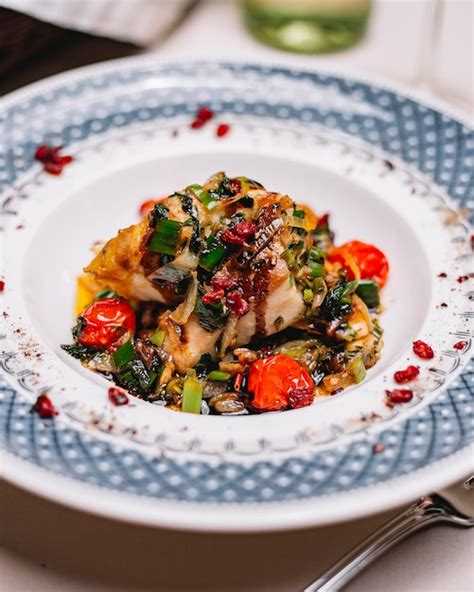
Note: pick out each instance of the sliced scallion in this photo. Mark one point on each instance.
(212, 254)
(125, 354)
(357, 369)
(368, 291)
(308, 295)
(219, 376)
(192, 395)
(317, 269)
(165, 239)
(158, 338)
(202, 195)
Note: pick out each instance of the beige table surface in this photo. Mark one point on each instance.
(49, 548)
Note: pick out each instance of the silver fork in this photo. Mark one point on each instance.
(454, 505)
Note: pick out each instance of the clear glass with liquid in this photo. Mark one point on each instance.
(307, 26)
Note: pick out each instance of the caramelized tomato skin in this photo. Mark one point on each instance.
(105, 322)
(363, 260)
(278, 382)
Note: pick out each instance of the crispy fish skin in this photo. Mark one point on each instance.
(118, 265)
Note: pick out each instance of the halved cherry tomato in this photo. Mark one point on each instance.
(278, 382)
(148, 205)
(105, 322)
(361, 261)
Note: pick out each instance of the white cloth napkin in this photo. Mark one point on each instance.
(138, 21)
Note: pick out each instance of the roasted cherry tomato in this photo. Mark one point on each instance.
(361, 261)
(148, 205)
(105, 321)
(279, 382)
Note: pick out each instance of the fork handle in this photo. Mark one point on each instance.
(419, 514)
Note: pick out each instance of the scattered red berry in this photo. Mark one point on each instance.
(462, 278)
(44, 407)
(235, 186)
(244, 229)
(2, 285)
(378, 447)
(460, 345)
(443, 305)
(213, 296)
(117, 396)
(223, 282)
(51, 158)
(442, 275)
(202, 116)
(423, 350)
(222, 130)
(399, 396)
(407, 375)
(239, 233)
(237, 304)
(41, 152)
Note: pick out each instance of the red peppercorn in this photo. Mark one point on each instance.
(117, 396)
(44, 407)
(460, 345)
(222, 130)
(237, 304)
(442, 275)
(213, 296)
(2, 285)
(399, 396)
(462, 278)
(407, 375)
(423, 350)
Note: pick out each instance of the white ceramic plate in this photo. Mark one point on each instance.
(391, 171)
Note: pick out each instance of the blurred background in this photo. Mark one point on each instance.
(427, 44)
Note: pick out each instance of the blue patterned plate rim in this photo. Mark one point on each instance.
(256, 514)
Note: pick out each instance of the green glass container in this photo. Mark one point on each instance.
(307, 26)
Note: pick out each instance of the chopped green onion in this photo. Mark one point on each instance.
(319, 285)
(290, 259)
(202, 195)
(219, 376)
(298, 213)
(125, 354)
(368, 291)
(308, 295)
(108, 293)
(212, 254)
(317, 270)
(166, 237)
(357, 369)
(192, 395)
(317, 255)
(158, 338)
